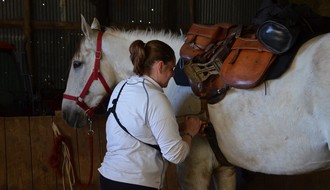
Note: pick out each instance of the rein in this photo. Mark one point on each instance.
(95, 75)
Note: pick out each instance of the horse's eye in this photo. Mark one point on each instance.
(76, 64)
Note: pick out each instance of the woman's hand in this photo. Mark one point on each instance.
(192, 125)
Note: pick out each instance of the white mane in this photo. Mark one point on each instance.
(146, 35)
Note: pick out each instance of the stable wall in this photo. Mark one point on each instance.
(26, 145)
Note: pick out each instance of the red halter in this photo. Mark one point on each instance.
(95, 75)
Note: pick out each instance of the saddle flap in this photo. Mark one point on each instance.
(246, 64)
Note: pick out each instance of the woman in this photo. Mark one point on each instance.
(141, 130)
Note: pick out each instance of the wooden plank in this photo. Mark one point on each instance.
(44, 176)
(99, 122)
(12, 23)
(3, 169)
(37, 25)
(101, 125)
(19, 173)
(56, 25)
(84, 153)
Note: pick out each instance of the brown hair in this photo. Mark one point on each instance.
(144, 55)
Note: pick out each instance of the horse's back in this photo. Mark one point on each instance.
(281, 127)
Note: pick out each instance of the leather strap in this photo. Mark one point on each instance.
(212, 138)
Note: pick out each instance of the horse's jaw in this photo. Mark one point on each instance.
(73, 116)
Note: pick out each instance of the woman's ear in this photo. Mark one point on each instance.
(160, 66)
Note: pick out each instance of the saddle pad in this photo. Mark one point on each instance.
(283, 60)
(180, 76)
(246, 64)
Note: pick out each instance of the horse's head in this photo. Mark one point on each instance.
(101, 61)
(87, 83)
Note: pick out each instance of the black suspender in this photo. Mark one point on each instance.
(113, 111)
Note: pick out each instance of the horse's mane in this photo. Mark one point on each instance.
(148, 34)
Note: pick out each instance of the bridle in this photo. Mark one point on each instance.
(95, 75)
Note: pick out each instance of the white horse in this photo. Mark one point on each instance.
(284, 132)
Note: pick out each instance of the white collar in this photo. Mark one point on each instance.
(149, 79)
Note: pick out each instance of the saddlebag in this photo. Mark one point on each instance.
(246, 64)
(201, 38)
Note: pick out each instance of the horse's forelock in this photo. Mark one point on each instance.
(77, 46)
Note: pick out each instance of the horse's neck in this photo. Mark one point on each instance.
(117, 48)
(173, 40)
(116, 56)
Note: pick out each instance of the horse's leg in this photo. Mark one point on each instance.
(195, 172)
(224, 178)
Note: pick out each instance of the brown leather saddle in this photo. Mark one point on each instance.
(235, 58)
(219, 57)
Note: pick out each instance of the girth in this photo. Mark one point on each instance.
(212, 138)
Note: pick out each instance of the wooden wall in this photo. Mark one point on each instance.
(26, 145)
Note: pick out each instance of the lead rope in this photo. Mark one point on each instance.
(67, 169)
(91, 142)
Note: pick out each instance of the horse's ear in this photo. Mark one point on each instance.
(96, 24)
(86, 29)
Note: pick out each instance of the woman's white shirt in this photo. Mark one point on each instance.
(145, 111)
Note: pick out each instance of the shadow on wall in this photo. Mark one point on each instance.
(321, 7)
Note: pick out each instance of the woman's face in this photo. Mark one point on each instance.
(167, 73)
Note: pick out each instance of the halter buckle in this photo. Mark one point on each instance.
(91, 131)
